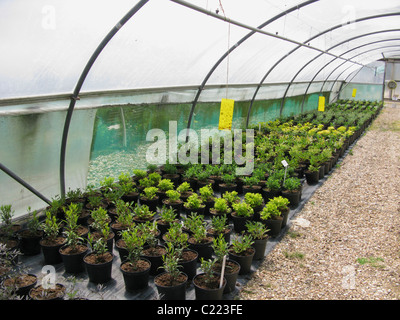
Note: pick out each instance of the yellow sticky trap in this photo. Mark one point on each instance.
(354, 93)
(321, 103)
(226, 114)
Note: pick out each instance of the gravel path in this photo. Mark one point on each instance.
(350, 249)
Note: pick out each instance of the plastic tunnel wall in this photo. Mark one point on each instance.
(165, 58)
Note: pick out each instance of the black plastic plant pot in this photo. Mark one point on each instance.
(136, 280)
(239, 223)
(312, 177)
(204, 250)
(245, 261)
(190, 267)
(202, 293)
(51, 253)
(274, 226)
(285, 217)
(231, 277)
(175, 292)
(98, 273)
(293, 197)
(73, 263)
(259, 245)
(155, 260)
(30, 245)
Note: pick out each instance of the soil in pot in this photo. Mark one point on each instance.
(176, 205)
(169, 288)
(73, 258)
(188, 262)
(232, 269)
(99, 267)
(22, 284)
(208, 290)
(136, 277)
(269, 194)
(154, 255)
(50, 249)
(223, 187)
(40, 293)
(226, 233)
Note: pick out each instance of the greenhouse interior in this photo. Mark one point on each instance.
(224, 149)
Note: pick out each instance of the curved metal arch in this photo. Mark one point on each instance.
(307, 41)
(237, 44)
(359, 36)
(366, 44)
(344, 81)
(75, 95)
(304, 66)
(316, 74)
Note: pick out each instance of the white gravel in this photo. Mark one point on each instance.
(345, 244)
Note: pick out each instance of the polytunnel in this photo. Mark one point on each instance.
(84, 82)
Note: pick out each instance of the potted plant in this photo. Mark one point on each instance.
(171, 284)
(194, 204)
(29, 237)
(170, 172)
(163, 186)
(135, 269)
(221, 207)
(129, 192)
(256, 201)
(282, 204)
(232, 268)
(185, 190)
(187, 257)
(99, 261)
(203, 178)
(173, 200)
(150, 198)
(75, 249)
(228, 183)
(53, 240)
(138, 174)
(242, 212)
(219, 226)
(153, 251)
(312, 171)
(251, 184)
(207, 284)
(40, 292)
(231, 197)
(167, 216)
(292, 191)
(259, 234)
(143, 214)
(15, 279)
(100, 227)
(272, 188)
(271, 217)
(199, 240)
(242, 252)
(208, 197)
(8, 229)
(74, 218)
(124, 218)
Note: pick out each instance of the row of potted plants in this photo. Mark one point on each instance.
(87, 224)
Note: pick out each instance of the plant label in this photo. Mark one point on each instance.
(226, 114)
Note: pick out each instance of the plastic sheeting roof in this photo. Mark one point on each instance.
(45, 45)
